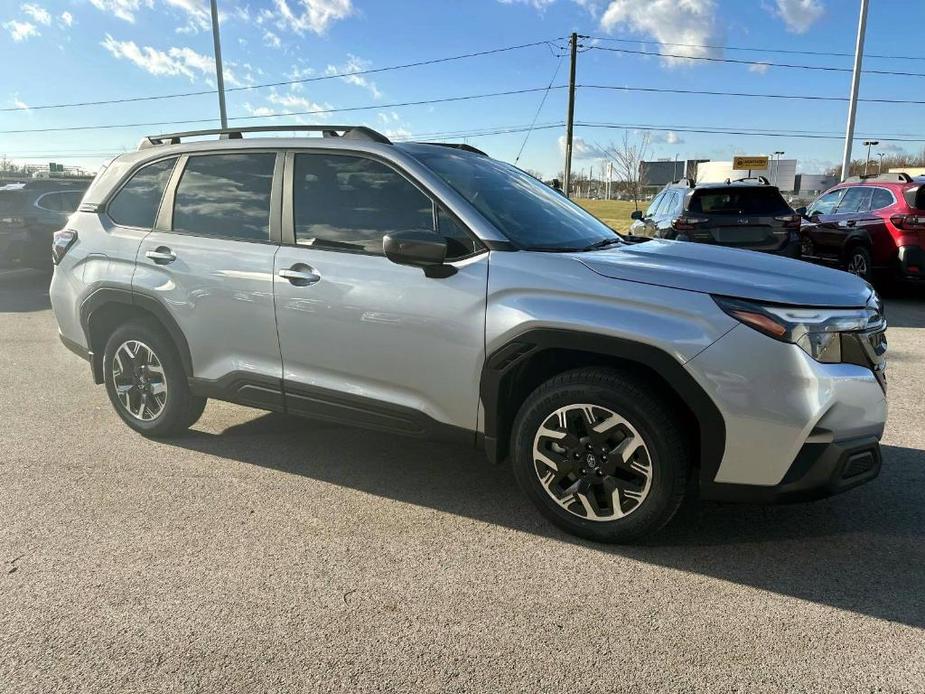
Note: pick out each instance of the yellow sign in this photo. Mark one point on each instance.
(749, 163)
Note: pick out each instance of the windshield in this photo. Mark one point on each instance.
(526, 210)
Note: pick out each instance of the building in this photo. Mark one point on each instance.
(811, 185)
(718, 171)
(911, 170)
(654, 175)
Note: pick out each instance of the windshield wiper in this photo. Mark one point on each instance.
(603, 243)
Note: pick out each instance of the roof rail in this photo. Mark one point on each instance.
(683, 181)
(761, 180)
(457, 145)
(900, 177)
(358, 132)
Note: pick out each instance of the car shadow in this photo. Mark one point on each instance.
(24, 291)
(863, 551)
(905, 307)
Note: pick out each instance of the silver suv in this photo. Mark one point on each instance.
(429, 290)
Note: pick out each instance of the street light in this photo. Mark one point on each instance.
(880, 165)
(777, 170)
(869, 144)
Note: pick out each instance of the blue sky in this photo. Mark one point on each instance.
(64, 51)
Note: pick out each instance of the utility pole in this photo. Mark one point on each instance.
(570, 122)
(855, 84)
(219, 75)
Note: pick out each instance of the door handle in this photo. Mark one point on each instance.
(300, 275)
(161, 255)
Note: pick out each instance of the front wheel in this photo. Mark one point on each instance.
(146, 382)
(601, 454)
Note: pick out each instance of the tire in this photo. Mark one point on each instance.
(650, 482)
(157, 401)
(858, 262)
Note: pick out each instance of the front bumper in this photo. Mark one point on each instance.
(776, 401)
(819, 470)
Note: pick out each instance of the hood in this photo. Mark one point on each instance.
(731, 272)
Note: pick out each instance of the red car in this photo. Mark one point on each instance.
(869, 224)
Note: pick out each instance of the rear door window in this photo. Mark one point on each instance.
(881, 198)
(225, 196)
(136, 204)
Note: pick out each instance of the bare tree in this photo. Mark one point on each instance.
(627, 157)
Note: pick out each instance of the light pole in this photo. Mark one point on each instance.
(219, 73)
(869, 144)
(880, 165)
(855, 84)
(777, 169)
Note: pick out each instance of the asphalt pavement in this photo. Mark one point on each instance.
(264, 553)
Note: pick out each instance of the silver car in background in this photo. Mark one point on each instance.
(431, 291)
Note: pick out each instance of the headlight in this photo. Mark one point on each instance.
(817, 331)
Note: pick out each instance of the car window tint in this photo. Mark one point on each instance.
(459, 243)
(856, 199)
(741, 200)
(881, 198)
(226, 196)
(350, 203)
(136, 204)
(827, 203)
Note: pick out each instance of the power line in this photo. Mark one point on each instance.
(742, 132)
(804, 97)
(755, 50)
(762, 63)
(449, 99)
(318, 78)
(539, 108)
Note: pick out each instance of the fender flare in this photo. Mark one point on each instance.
(502, 363)
(105, 296)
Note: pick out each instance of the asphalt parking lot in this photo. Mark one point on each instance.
(266, 553)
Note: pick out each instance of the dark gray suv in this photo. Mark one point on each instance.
(743, 213)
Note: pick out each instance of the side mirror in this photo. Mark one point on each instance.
(801, 211)
(419, 248)
(636, 214)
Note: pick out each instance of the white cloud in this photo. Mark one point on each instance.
(173, 61)
(271, 39)
(538, 4)
(66, 18)
(799, 15)
(121, 9)
(19, 103)
(355, 64)
(312, 15)
(37, 13)
(759, 68)
(21, 31)
(197, 14)
(664, 137)
(292, 102)
(581, 148)
(669, 22)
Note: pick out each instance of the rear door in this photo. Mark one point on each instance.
(209, 262)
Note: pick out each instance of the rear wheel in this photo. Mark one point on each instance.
(859, 263)
(601, 455)
(146, 381)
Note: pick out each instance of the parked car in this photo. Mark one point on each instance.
(743, 213)
(30, 213)
(347, 278)
(869, 224)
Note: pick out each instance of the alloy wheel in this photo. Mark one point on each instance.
(858, 264)
(592, 462)
(139, 381)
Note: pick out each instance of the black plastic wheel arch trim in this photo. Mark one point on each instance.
(502, 363)
(113, 295)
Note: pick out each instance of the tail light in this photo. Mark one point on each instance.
(909, 222)
(62, 243)
(688, 223)
(791, 221)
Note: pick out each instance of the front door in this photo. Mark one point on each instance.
(365, 340)
(209, 262)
